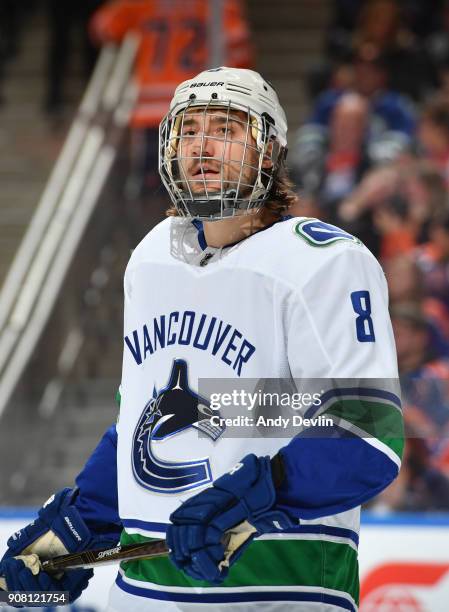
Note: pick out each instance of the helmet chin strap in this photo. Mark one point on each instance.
(202, 207)
(221, 207)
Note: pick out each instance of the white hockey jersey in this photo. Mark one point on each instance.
(300, 299)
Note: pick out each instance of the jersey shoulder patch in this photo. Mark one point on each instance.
(320, 234)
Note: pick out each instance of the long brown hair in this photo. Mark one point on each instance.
(282, 193)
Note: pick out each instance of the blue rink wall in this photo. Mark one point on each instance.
(404, 560)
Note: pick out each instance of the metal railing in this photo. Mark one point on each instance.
(70, 196)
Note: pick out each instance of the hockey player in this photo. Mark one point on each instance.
(230, 287)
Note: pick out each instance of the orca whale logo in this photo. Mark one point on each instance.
(168, 413)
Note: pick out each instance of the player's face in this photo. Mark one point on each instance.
(217, 151)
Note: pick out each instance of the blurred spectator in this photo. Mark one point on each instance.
(376, 186)
(408, 282)
(424, 188)
(423, 362)
(350, 131)
(421, 486)
(404, 279)
(347, 128)
(66, 19)
(411, 333)
(377, 189)
(433, 133)
(173, 47)
(381, 28)
(423, 483)
(393, 225)
(396, 29)
(397, 203)
(357, 158)
(433, 261)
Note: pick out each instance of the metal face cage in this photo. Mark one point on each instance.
(217, 160)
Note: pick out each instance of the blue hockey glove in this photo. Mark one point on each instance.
(59, 529)
(197, 539)
(20, 578)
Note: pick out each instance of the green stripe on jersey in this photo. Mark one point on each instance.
(318, 563)
(376, 419)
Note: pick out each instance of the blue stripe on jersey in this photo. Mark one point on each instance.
(332, 473)
(147, 525)
(201, 237)
(306, 529)
(356, 391)
(206, 598)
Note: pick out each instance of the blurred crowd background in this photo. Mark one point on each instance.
(366, 87)
(373, 158)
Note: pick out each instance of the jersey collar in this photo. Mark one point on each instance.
(202, 239)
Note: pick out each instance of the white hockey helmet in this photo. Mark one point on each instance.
(262, 148)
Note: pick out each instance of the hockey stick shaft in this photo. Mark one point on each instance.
(105, 556)
(93, 558)
(233, 539)
(147, 550)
